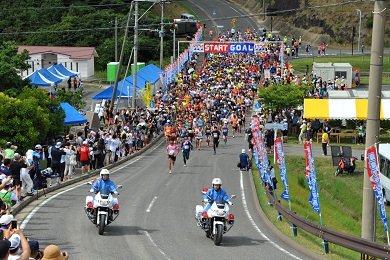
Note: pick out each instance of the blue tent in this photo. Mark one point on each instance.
(146, 74)
(65, 71)
(72, 116)
(48, 75)
(128, 88)
(56, 73)
(37, 79)
(150, 73)
(107, 93)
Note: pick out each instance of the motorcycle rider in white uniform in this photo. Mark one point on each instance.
(104, 182)
(215, 193)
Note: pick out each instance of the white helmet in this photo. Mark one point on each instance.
(104, 171)
(38, 147)
(216, 181)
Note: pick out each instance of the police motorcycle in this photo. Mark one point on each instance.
(217, 220)
(102, 209)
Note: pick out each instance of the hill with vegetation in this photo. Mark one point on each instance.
(92, 23)
(318, 21)
(82, 23)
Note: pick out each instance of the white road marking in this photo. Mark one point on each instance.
(159, 249)
(31, 214)
(151, 204)
(27, 219)
(254, 224)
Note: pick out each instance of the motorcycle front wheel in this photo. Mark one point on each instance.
(102, 224)
(218, 236)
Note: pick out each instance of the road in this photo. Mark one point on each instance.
(157, 213)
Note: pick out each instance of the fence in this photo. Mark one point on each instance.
(348, 241)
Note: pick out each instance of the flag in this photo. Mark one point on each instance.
(282, 167)
(311, 177)
(374, 175)
(259, 147)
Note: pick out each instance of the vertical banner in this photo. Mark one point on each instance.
(258, 145)
(282, 167)
(374, 175)
(311, 177)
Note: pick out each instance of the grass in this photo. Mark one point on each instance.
(340, 200)
(357, 61)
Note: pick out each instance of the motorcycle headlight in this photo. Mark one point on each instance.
(104, 202)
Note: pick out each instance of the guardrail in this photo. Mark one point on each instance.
(348, 241)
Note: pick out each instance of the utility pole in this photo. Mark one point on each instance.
(373, 115)
(161, 34)
(116, 39)
(174, 43)
(121, 59)
(353, 36)
(135, 55)
(360, 27)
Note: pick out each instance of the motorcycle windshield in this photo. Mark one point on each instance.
(220, 202)
(104, 193)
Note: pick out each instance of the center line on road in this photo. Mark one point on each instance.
(253, 222)
(159, 249)
(151, 204)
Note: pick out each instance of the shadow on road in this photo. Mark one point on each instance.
(113, 231)
(235, 241)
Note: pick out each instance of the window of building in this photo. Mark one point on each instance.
(341, 74)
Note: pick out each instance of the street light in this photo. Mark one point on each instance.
(360, 26)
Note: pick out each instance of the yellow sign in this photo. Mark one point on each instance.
(146, 94)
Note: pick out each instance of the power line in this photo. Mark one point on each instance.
(282, 11)
(62, 7)
(79, 30)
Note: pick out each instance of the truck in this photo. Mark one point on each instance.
(186, 26)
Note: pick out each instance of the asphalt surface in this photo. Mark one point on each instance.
(157, 212)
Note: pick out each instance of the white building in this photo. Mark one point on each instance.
(80, 59)
(330, 70)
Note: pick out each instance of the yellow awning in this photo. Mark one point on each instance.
(342, 109)
(316, 108)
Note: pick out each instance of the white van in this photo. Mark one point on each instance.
(188, 17)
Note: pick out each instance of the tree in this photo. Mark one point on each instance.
(30, 118)
(277, 97)
(10, 63)
(75, 99)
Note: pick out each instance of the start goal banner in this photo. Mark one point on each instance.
(224, 47)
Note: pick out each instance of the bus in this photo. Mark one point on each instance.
(384, 167)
